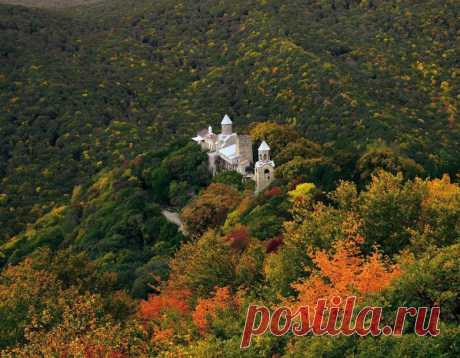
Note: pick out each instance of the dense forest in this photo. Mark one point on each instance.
(49, 3)
(99, 99)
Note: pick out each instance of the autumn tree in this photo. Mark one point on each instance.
(24, 291)
(44, 316)
(83, 328)
(207, 309)
(203, 264)
(249, 266)
(238, 238)
(314, 225)
(344, 273)
(440, 213)
(210, 208)
(302, 147)
(302, 191)
(168, 300)
(277, 135)
(234, 216)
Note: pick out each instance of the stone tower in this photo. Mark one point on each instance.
(264, 168)
(226, 125)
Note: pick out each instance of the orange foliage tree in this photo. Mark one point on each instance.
(207, 308)
(170, 300)
(345, 273)
(166, 315)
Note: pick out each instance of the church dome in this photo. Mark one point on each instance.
(264, 146)
(226, 120)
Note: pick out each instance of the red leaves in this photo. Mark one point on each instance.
(169, 300)
(274, 244)
(100, 351)
(238, 238)
(273, 192)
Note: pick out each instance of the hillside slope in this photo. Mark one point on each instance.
(48, 3)
(89, 89)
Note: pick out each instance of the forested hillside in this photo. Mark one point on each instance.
(359, 102)
(78, 87)
(49, 3)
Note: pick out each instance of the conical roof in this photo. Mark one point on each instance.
(264, 146)
(226, 120)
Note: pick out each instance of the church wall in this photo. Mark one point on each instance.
(245, 148)
(244, 160)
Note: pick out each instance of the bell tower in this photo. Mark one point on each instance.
(264, 168)
(226, 125)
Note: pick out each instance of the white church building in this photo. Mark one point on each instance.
(232, 151)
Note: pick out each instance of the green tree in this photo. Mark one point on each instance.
(232, 178)
(203, 264)
(389, 207)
